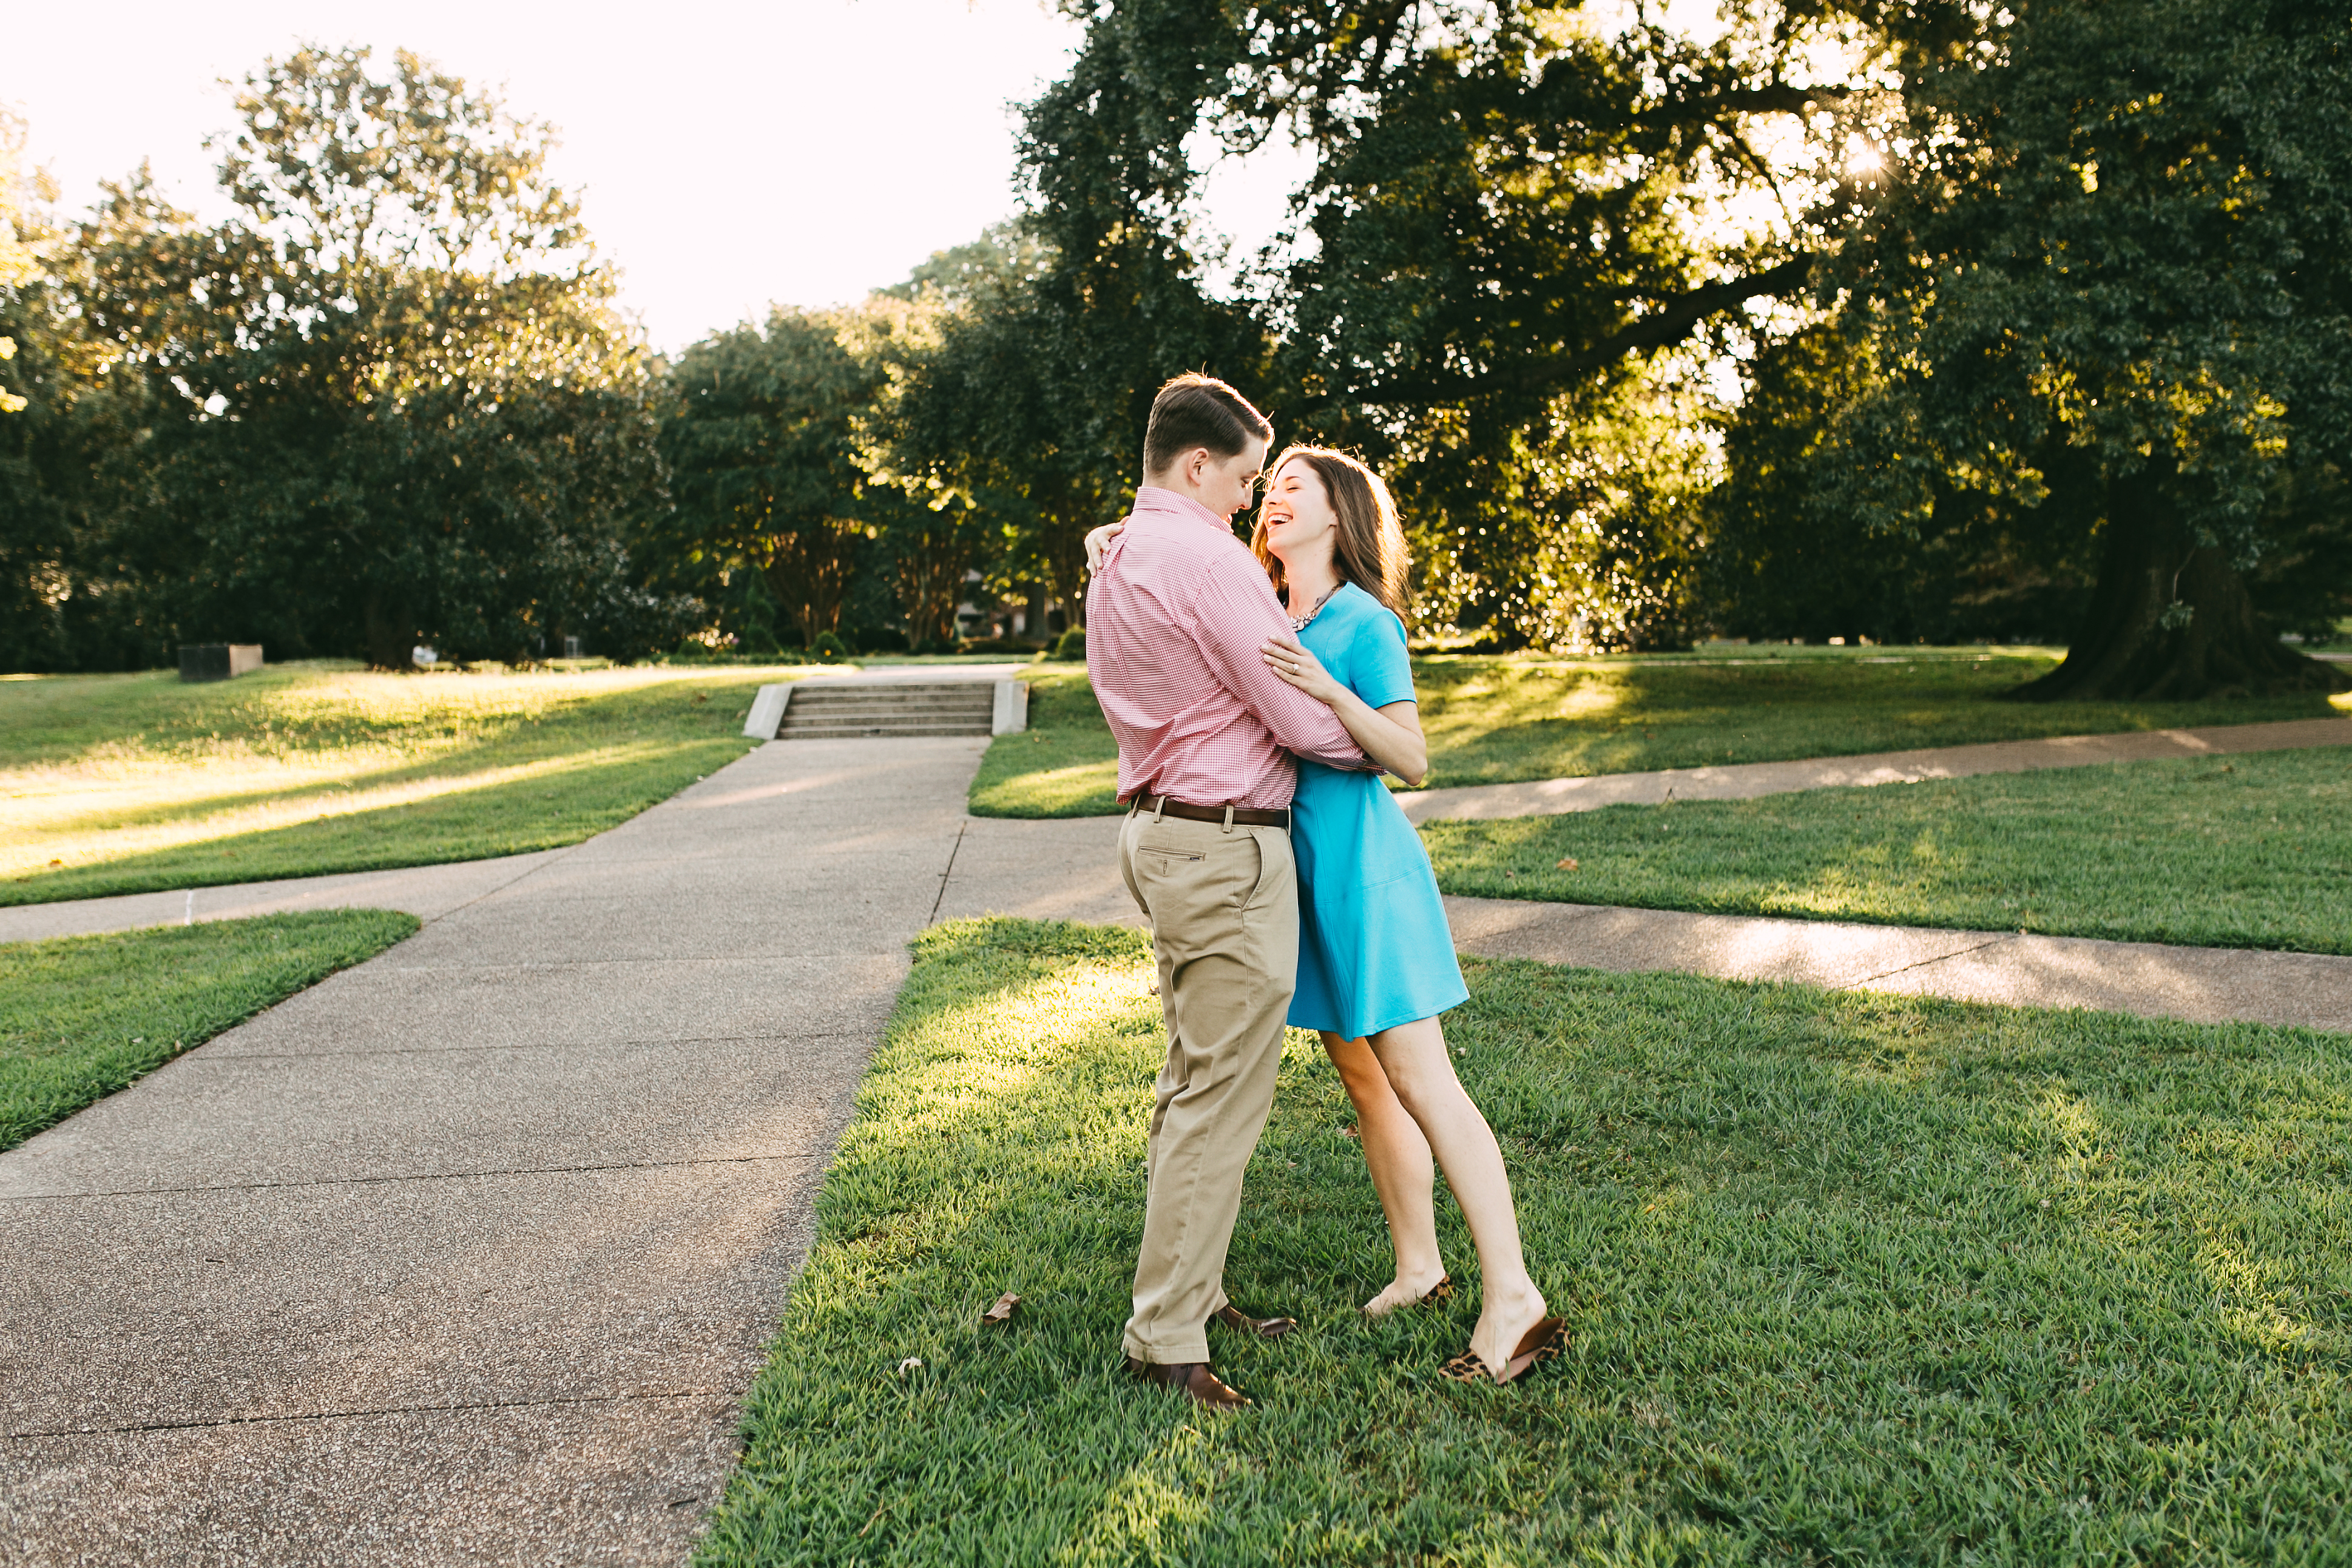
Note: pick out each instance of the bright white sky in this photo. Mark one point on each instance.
(802, 152)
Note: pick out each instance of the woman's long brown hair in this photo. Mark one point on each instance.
(1369, 548)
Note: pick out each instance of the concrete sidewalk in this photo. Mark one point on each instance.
(2200, 984)
(1745, 781)
(1068, 871)
(469, 1253)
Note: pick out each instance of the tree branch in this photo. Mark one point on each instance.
(1687, 102)
(1675, 319)
(1670, 323)
(1773, 98)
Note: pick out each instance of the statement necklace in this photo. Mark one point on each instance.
(1298, 623)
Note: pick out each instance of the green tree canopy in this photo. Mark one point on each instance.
(71, 468)
(2108, 284)
(398, 401)
(778, 444)
(1507, 202)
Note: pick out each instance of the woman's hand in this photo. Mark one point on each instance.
(1390, 736)
(1097, 540)
(1289, 657)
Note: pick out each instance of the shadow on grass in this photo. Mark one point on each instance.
(1508, 723)
(1863, 1279)
(2251, 852)
(570, 801)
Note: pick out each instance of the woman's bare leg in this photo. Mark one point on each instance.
(1403, 1174)
(1413, 1059)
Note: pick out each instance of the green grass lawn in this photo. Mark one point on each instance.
(129, 783)
(1494, 720)
(81, 1016)
(2245, 851)
(1849, 1278)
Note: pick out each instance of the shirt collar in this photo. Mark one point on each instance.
(1152, 498)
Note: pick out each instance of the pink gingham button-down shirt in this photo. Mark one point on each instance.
(1175, 619)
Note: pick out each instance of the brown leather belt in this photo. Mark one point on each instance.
(1242, 815)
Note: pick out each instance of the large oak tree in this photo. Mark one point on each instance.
(2109, 283)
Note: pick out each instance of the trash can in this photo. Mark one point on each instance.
(219, 661)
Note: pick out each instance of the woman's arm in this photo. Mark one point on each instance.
(1390, 736)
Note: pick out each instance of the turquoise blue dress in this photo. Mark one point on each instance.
(1374, 949)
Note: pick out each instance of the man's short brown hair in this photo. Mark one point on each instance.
(1194, 411)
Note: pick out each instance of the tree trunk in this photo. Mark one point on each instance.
(389, 632)
(1066, 557)
(808, 574)
(930, 582)
(2170, 619)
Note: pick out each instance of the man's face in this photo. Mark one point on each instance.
(1229, 484)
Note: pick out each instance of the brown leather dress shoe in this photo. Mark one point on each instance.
(1232, 1317)
(1194, 1378)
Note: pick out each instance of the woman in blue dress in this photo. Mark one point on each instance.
(1376, 961)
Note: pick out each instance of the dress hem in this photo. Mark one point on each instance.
(1412, 1017)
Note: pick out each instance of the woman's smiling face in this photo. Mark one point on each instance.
(1297, 509)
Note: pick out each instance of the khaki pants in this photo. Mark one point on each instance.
(1223, 905)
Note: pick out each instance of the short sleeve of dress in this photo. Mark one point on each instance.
(1379, 671)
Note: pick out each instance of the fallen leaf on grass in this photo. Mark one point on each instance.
(1568, 863)
(1003, 1310)
(913, 1363)
(1350, 1131)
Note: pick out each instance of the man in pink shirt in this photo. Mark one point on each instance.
(1176, 617)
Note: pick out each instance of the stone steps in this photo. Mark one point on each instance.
(853, 731)
(826, 709)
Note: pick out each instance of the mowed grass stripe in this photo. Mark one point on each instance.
(1498, 719)
(133, 784)
(2245, 851)
(1850, 1279)
(82, 1017)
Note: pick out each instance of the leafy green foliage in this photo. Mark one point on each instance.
(1502, 210)
(762, 446)
(82, 1017)
(390, 398)
(797, 455)
(2253, 851)
(1851, 1277)
(1779, 563)
(2111, 279)
(69, 472)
